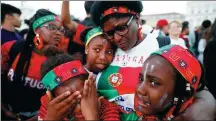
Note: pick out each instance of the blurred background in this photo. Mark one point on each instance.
(193, 11)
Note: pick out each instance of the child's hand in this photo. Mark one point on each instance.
(89, 101)
(60, 106)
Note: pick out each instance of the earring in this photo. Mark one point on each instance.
(175, 101)
(38, 42)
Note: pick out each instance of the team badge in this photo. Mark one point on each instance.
(182, 64)
(74, 71)
(115, 79)
(194, 80)
(58, 79)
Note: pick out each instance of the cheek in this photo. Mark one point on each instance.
(109, 58)
(92, 56)
(46, 36)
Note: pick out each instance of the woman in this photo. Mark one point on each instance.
(24, 75)
(164, 96)
(203, 42)
(174, 29)
(120, 23)
(63, 74)
(99, 52)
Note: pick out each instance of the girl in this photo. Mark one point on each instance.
(24, 75)
(99, 52)
(73, 98)
(167, 84)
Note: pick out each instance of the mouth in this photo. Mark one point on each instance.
(101, 65)
(143, 102)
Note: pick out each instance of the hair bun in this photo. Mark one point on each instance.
(52, 51)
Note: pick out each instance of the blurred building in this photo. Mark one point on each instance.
(153, 18)
(198, 11)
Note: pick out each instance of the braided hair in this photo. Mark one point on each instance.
(25, 55)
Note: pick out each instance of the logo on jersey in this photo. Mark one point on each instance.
(115, 79)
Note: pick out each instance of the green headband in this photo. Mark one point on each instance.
(40, 21)
(93, 33)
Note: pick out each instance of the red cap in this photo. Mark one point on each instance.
(161, 23)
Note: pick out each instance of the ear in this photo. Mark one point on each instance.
(86, 50)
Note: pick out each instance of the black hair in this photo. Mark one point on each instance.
(99, 7)
(56, 58)
(8, 9)
(25, 55)
(88, 5)
(206, 24)
(185, 25)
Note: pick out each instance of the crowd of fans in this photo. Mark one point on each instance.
(110, 66)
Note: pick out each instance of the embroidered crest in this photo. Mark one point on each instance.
(74, 71)
(58, 79)
(194, 80)
(182, 64)
(115, 79)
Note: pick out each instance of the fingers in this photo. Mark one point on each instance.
(86, 88)
(72, 99)
(61, 97)
(49, 95)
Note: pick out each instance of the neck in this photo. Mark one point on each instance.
(175, 37)
(8, 27)
(39, 52)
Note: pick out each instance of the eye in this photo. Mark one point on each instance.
(140, 78)
(153, 82)
(52, 27)
(121, 28)
(97, 50)
(110, 52)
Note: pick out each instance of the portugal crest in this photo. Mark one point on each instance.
(115, 79)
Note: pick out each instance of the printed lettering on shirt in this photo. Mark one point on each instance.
(125, 59)
(33, 83)
(125, 108)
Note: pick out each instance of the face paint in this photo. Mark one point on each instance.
(145, 71)
(104, 41)
(163, 98)
(152, 68)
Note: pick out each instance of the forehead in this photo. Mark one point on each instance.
(56, 23)
(159, 65)
(100, 41)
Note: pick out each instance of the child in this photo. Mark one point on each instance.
(167, 84)
(99, 52)
(74, 98)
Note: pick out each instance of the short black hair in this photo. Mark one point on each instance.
(100, 6)
(8, 9)
(206, 24)
(185, 25)
(88, 5)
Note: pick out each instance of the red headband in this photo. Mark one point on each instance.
(184, 62)
(62, 73)
(120, 9)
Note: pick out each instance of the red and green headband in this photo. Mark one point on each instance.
(42, 20)
(184, 62)
(121, 10)
(62, 73)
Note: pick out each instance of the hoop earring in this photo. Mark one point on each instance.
(38, 42)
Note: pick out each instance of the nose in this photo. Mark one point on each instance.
(142, 89)
(102, 56)
(117, 38)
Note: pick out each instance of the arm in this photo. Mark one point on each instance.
(203, 108)
(65, 17)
